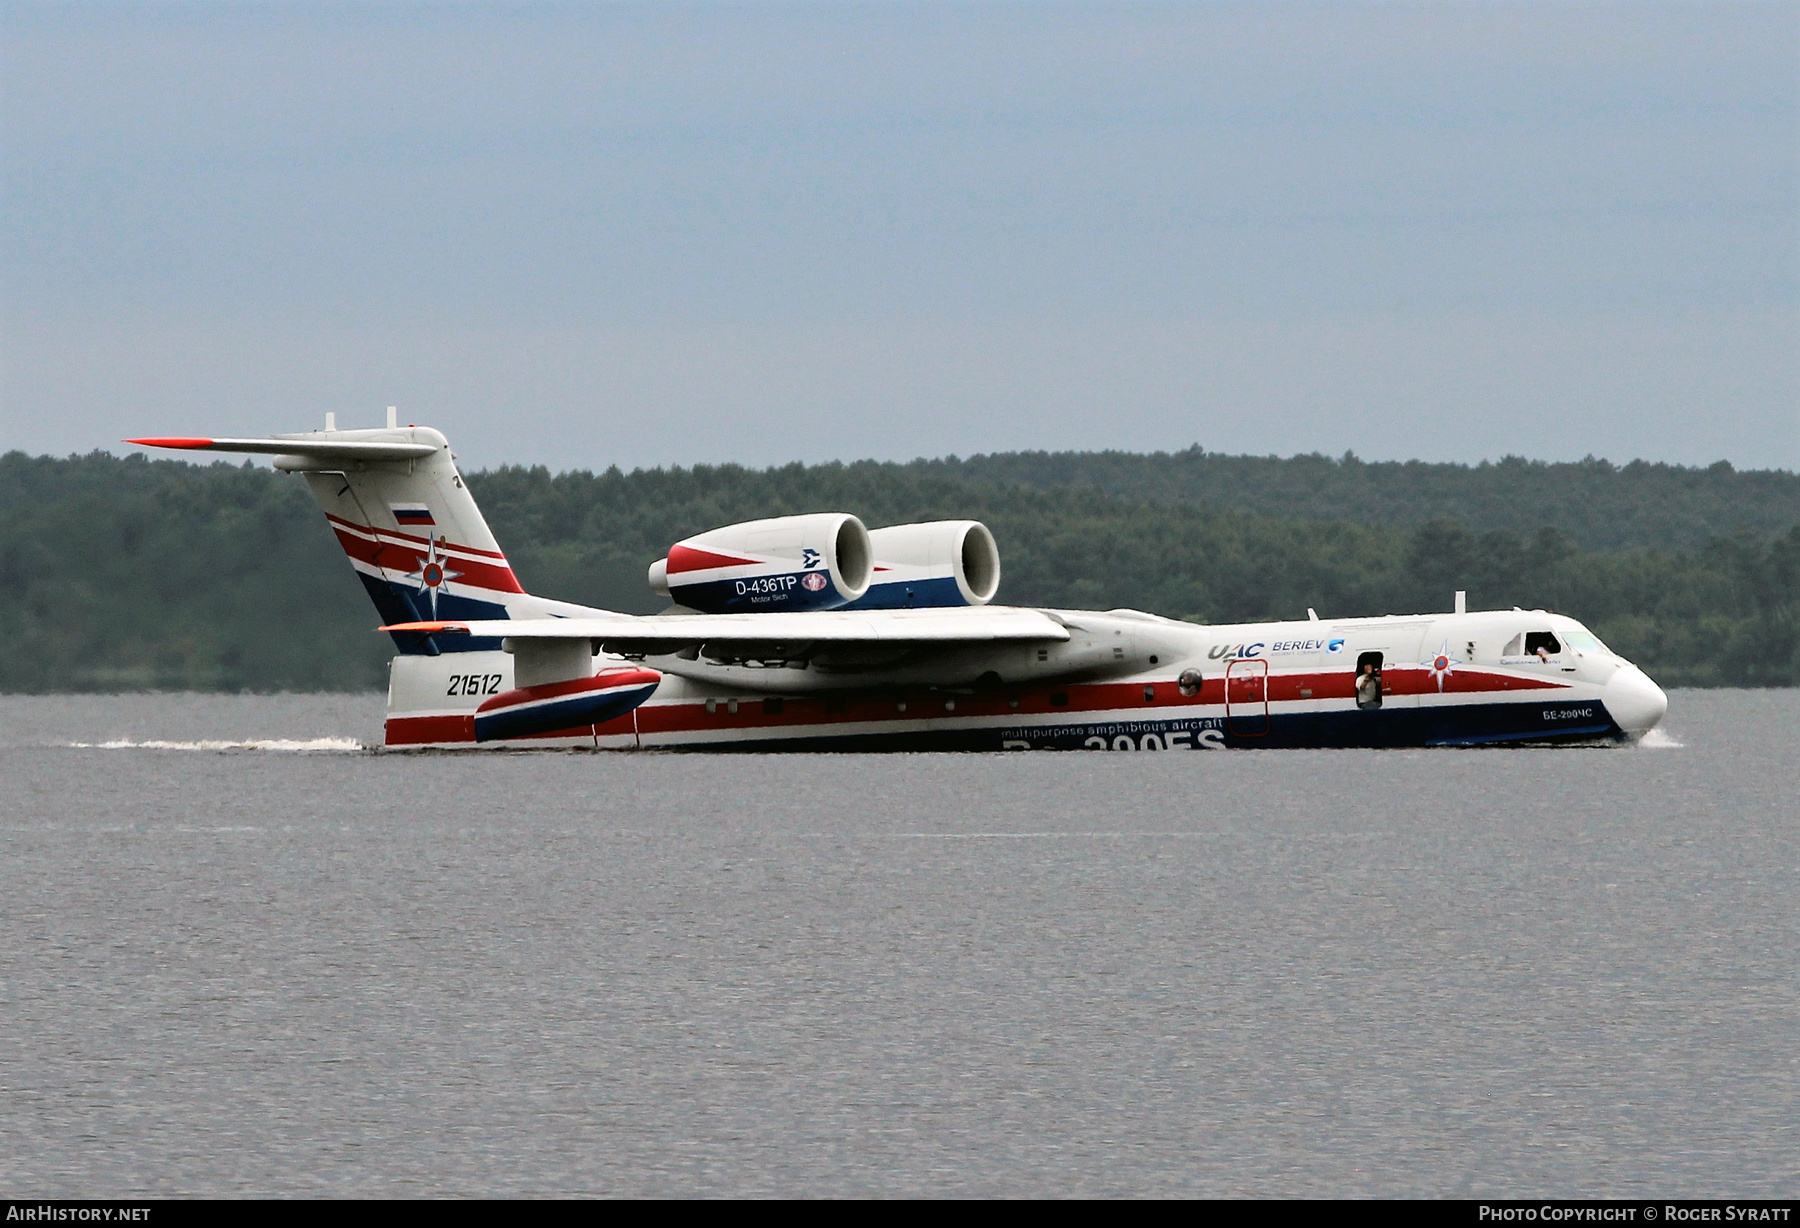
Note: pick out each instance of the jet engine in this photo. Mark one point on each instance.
(939, 563)
(818, 562)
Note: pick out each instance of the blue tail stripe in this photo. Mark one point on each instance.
(401, 603)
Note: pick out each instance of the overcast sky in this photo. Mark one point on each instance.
(646, 234)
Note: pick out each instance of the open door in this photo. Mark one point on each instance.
(1247, 698)
(1368, 685)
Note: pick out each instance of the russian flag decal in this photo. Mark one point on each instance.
(411, 513)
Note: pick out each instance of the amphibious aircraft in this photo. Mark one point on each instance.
(816, 633)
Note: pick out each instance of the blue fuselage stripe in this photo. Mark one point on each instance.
(1498, 724)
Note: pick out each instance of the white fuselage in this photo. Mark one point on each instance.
(1115, 683)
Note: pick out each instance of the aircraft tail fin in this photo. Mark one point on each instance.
(407, 523)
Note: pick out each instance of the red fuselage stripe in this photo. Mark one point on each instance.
(439, 730)
(1119, 700)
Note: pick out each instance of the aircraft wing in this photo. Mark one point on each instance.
(663, 632)
(824, 650)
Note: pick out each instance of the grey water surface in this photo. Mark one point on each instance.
(255, 960)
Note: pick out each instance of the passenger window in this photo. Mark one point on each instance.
(1541, 644)
(1368, 681)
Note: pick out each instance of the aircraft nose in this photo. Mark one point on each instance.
(1635, 702)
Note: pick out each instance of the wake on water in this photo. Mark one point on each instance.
(305, 745)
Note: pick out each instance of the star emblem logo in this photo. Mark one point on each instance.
(433, 573)
(1441, 664)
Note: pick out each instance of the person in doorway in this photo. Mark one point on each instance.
(1368, 687)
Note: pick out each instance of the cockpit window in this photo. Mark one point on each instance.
(1514, 646)
(1538, 643)
(1583, 640)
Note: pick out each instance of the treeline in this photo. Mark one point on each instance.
(129, 574)
(119, 575)
(1725, 614)
(1598, 505)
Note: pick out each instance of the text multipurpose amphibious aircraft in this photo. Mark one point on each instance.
(815, 633)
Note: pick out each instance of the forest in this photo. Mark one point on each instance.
(133, 574)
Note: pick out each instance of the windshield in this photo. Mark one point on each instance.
(1583, 640)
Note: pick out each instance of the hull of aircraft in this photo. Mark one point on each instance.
(1303, 708)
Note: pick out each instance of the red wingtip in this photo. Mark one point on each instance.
(426, 628)
(173, 441)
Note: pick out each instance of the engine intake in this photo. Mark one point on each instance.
(817, 562)
(938, 563)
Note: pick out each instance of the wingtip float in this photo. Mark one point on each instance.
(815, 633)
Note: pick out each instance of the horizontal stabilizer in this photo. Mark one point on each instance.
(956, 625)
(301, 445)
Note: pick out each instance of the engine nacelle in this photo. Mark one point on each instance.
(939, 563)
(818, 562)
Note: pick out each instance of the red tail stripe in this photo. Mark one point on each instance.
(412, 537)
(394, 556)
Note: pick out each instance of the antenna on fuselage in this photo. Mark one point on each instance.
(1462, 602)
